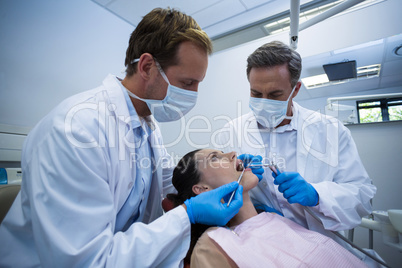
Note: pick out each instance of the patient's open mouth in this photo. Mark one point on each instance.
(239, 165)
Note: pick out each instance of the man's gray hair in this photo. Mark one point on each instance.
(273, 54)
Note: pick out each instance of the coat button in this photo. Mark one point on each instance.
(130, 185)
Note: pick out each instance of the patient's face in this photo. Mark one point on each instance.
(217, 169)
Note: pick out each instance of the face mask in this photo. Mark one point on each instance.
(270, 113)
(175, 105)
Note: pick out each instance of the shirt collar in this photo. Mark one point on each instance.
(135, 120)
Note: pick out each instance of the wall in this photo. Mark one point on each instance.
(51, 50)
(380, 147)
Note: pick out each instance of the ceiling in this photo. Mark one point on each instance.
(379, 51)
(222, 19)
(216, 17)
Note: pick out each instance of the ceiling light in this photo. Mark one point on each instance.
(322, 80)
(283, 23)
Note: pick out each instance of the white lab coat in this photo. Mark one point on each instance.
(77, 174)
(326, 157)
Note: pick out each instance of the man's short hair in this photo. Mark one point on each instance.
(160, 33)
(273, 54)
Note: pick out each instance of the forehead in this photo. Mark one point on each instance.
(192, 60)
(203, 154)
(277, 74)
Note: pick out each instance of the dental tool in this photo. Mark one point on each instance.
(272, 166)
(238, 181)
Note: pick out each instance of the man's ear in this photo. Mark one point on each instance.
(198, 189)
(144, 66)
(297, 89)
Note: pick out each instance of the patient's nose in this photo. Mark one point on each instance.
(232, 156)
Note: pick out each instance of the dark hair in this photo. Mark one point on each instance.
(185, 175)
(159, 33)
(273, 54)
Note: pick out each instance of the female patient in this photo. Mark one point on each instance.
(250, 239)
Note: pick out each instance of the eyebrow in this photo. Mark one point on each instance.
(214, 152)
(254, 91)
(272, 92)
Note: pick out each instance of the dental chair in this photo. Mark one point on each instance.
(8, 193)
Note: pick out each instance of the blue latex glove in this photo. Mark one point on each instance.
(208, 209)
(257, 168)
(267, 209)
(296, 189)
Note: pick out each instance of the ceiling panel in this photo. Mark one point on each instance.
(103, 2)
(254, 3)
(392, 68)
(220, 11)
(133, 11)
(216, 17)
(391, 43)
(391, 81)
(378, 51)
(253, 15)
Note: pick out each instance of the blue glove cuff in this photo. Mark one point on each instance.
(316, 197)
(189, 210)
(267, 209)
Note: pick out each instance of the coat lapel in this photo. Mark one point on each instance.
(253, 137)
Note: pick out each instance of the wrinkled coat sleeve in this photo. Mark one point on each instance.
(345, 198)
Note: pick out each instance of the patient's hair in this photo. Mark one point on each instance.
(185, 175)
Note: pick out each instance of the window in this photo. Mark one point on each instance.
(379, 110)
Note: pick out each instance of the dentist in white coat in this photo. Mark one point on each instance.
(95, 168)
(316, 154)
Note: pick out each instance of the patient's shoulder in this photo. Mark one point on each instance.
(207, 253)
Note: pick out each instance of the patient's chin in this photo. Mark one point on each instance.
(249, 181)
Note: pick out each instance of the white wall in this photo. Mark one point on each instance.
(380, 147)
(50, 50)
(53, 49)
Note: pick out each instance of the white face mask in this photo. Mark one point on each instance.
(270, 113)
(175, 105)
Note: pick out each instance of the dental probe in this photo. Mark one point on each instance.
(238, 181)
(273, 167)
